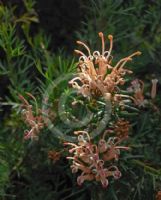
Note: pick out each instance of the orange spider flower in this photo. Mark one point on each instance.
(97, 77)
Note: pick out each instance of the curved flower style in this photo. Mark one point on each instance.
(137, 87)
(93, 160)
(97, 77)
(35, 122)
(154, 88)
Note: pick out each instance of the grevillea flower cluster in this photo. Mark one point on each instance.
(33, 119)
(96, 161)
(137, 88)
(97, 76)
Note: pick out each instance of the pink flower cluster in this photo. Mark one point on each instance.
(137, 88)
(95, 160)
(33, 120)
(97, 76)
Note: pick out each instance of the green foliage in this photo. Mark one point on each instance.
(134, 25)
(29, 65)
(24, 56)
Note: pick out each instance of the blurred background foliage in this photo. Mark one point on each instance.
(37, 39)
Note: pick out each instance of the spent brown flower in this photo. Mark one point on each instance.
(121, 128)
(54, 155)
